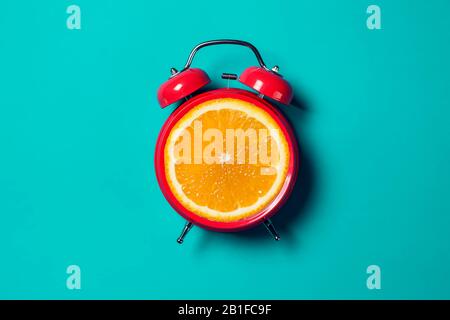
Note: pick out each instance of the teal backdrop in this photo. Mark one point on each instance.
(79, 120)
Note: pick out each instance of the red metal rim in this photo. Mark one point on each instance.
(264, 214)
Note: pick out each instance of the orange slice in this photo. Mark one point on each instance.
(226, 159)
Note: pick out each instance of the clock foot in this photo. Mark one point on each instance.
(269, 225)
(186, 229)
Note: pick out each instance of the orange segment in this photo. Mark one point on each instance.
(226, 159)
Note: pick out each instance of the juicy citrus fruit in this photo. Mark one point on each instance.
(234, 180)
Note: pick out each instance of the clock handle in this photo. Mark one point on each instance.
(221, 42)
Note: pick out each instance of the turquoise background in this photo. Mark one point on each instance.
(79, 121)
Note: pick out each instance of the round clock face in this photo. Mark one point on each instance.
(226, 159)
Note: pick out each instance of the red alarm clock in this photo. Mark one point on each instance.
(226, 159)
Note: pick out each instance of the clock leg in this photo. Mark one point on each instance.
(186, 229)
(271, 229)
